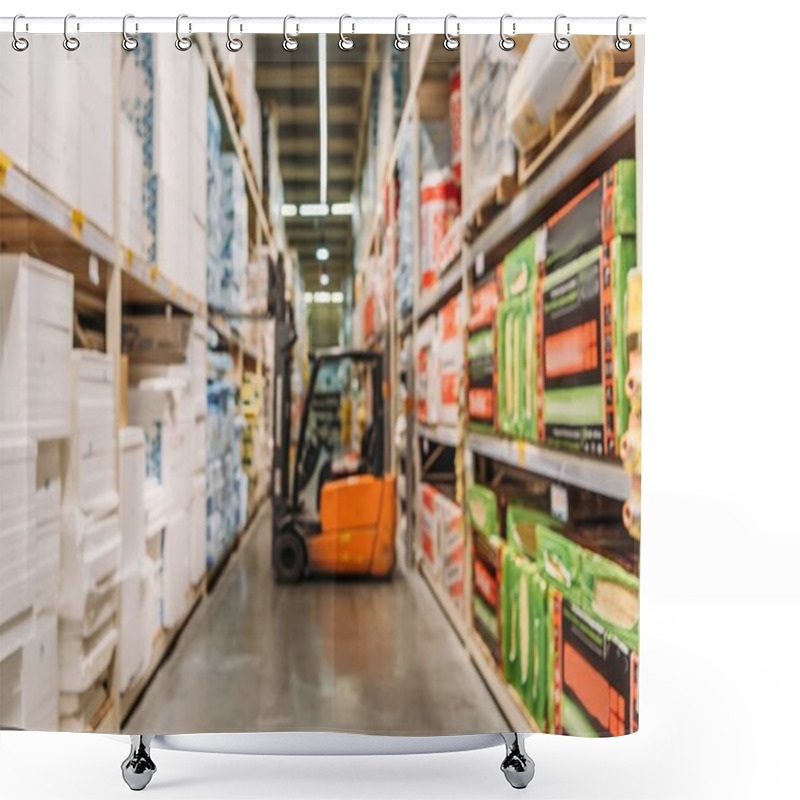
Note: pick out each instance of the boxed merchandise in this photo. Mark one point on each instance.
(15, 92)
(429, 529)
(482, 352)
(516, 359)
(527, 634)
(482, 509)
(83, 658)
(561, 560)
(520, 268)
(584, 359)
(449, 329)
(427, 378)
(234, 246)
(522, 526)
(611, 594)
(452, 550)
(40, 675)
(36, 324)
(156, 339)
(130, 189)
(78, 711)
(91, 477)
(487, 581)
(603, 210)
(175, 569)
(197, 529)
(596, 676)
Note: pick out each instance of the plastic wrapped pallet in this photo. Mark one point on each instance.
(175, 574)
(91, 483)
(197, 530)
(450, 350)
(36, 324)
(83, 659)
(404, 284)
(213, 205)
(234, 250)
(543, 81)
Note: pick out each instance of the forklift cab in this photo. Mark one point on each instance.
(341, 516)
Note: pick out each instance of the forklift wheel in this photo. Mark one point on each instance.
(290, 557)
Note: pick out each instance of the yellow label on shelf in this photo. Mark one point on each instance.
(173, 288)
(5, 163)
(128, 257)
(77, 219)
(153, 273)
(521, 452)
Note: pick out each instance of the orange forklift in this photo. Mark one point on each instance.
(338, 515)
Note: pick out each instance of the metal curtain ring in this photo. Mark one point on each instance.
(183, 43)
(289, 42)
(128, 42)
(345, 42)
(506, 41)
(623, 44)
(233, 44)
(451, 42)
(401, 42)
(19, 43)
(560, 43)
(71, 43)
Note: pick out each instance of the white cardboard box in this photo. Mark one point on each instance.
(40, 675)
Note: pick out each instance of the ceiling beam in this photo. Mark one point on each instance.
(309, 114)
(300, 75)
(294, 171)
(309, 145)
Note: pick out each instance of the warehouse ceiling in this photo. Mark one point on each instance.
(288, 83)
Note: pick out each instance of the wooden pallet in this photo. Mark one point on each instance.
(608, 71)
(490, 204)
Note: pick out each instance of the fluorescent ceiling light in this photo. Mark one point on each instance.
(322, 297)
(314, 210)
(324, 278)
(337, 297)
(343, 209)
(323, 252)
(288, 210)
(308, 297)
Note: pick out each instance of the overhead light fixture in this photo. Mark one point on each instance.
(314, 210)
(324, 278)
(337, 297)
(323, 251)
(322, 297)
(288, 210)
(343, 209)
(308, 297)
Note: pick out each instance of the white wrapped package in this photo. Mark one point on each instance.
(543, 81)
(132, 511)
(197, 531)
(175, 570)
(47, 537)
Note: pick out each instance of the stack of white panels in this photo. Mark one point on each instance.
(90, 543)
(40, 678)
(17, 487)
(130, 189)
(36, 325)
(133, 574)
(198, 133)
(15, 93)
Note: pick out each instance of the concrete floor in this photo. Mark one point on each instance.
(354, 656)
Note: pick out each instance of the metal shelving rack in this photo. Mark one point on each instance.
(613, 123)
(108, 276)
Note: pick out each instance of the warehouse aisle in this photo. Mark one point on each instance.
(350, 656)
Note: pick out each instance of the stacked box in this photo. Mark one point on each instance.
(429, 530)
(487, 570)
(36, 320)
(481, 353)
(427, 378)
(15, 92)
(449, 327)
(233, 222)
(527, 634)
(596, 676)
(90, 543)
(453, 551)
(584, 360)
(213, 205)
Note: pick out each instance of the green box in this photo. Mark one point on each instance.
(561, 562)
(611, 595)
(522, 525)
(527, 634)
(516, 384)
(482, 507)
(519, 267)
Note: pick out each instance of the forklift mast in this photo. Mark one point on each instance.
(285, 337)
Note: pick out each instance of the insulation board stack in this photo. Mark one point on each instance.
(234, 249)
(589, 248)
(90, 546)
(134, 649)
(453, 551)
(487, 569)
(15, 92)
(482, 369)
(222, 511)
(449, 331)
(213, 205)
(160, 401)
(404, 270)
(197, 210)
(516, 351)
(35, 413)
(255, 450)
(427, 372)
(492, 157)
